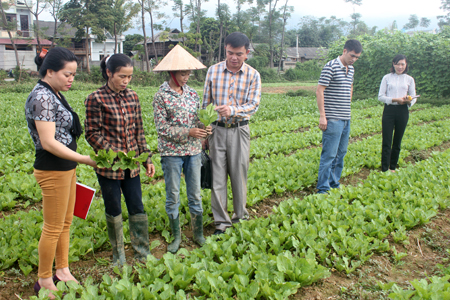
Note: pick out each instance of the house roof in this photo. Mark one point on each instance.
(171, 37)
(306, 52)
(25, 42)
(64, 29)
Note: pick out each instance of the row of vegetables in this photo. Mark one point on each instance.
(271, 258)
(256, 258)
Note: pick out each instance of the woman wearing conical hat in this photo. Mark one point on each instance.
(180, 133)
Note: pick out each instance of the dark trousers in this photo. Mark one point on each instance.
(112, 194)
(395, 119)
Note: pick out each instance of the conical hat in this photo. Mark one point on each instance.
(178, 59)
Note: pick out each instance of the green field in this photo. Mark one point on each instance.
(305, 239)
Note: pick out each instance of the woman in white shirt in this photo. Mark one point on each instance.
(394, 91)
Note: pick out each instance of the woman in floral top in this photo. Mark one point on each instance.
(180, 133)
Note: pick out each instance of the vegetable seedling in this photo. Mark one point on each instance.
(128, 161)
(208, 115)
(103, 159)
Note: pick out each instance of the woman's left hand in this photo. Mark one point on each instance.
(150, 170)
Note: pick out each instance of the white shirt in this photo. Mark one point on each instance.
(396, 86)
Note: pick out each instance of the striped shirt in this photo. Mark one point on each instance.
(337, 94)
(114, 121)
(396, 86)
(241, 91)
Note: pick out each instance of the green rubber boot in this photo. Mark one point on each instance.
(176, 231)
(115, 232)
(197, 228)
(139, 236)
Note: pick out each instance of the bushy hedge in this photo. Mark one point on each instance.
(428, 55)
(309, 70)
(269, 75)
(258, 62)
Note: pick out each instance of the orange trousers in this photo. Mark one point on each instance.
(58, 201)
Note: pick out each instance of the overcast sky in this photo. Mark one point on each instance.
(380, 13)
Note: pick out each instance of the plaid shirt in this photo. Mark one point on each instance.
(114, 121)
(241, 90)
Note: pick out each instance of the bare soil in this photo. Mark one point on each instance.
(283, 90)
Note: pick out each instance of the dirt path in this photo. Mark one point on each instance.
(282, 90)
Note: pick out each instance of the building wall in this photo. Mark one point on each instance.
(8, 59)
(106, 48)
(19, 11)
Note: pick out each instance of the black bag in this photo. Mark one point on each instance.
(206, 171)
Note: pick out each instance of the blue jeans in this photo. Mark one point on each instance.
(172, 167)
(111, 192)
(334, 148)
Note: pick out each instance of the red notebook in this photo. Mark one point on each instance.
(83, 200)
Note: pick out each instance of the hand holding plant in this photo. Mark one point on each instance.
(208, 115)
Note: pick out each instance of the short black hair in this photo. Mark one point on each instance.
(237, 40)
(114, 63)
(353, 45)
(395, 61)
(55, 60)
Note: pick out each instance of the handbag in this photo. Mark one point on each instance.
(206, 171)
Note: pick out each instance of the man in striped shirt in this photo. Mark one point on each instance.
(334, 95)
(235, 88)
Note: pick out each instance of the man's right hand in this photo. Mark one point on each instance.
(323, 123)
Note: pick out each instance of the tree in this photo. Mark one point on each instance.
(36, 9)
(315, 32)
(425, 22)
(179, 10)
(195, 14)
(413, 22)
(356, 17)
(130, 42)
(88, 17)
(9, 26)
(123, 13)
(286, 14)
(209, 30)
(55, 10)
(147, 63)
(445, 19)
(153, 9)
(272, 15)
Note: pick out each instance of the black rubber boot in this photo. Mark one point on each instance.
(197, 229)
(115, 233)
(176, 232)
(139, 236)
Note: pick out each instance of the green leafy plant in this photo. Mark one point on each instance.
(208, 115)
(103, 158)
(129, 161)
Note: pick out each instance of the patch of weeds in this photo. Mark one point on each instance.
(435, 239)
(418, 155)
(14, 271)
(363, 290)
(2, 283)
(301, 93)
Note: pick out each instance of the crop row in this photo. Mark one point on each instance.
(282, 142)
(275, 174)
(436, 287)
(273, 257)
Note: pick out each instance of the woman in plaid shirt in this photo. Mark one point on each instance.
(114, 121)
(179, 140)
